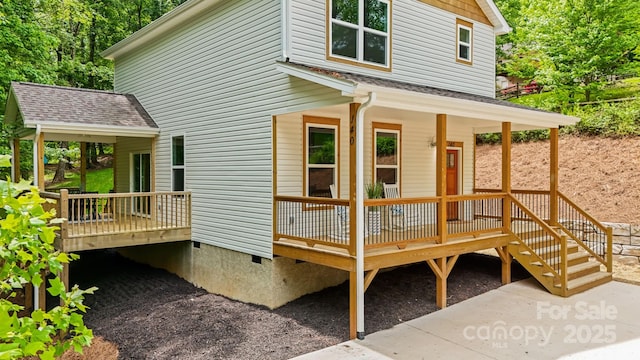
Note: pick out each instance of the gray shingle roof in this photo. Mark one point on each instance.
(365, 79)
(66, 105)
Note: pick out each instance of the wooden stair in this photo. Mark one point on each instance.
(583, 273)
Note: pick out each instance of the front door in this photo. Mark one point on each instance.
(141, 181)
(452, 182)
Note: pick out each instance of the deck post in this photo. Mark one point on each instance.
(38, 163)
(441, 175)
(83, 166)
(506, 175)
(506, 258)
(442, 267)
(15, 164)
(64, 276)
(353, 304)
(63, 206)
(274, 175)
(553, 177)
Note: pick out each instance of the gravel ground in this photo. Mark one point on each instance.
(152, 314)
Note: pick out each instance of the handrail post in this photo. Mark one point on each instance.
(609, 249)
(553, 177)
(64, 214)
(565, 265)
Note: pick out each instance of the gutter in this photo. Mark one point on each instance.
(360, 214)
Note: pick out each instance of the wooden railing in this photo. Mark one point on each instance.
(387, 222)
(589, 233)
(537, 237)
(581, 227)
(116, 213)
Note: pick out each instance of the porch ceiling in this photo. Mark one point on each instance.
(72, 114)
(487, 113)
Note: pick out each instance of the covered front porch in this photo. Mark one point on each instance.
(420, 143)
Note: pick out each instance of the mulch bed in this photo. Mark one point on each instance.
(152, 314)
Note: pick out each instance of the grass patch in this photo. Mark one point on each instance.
(97, 180)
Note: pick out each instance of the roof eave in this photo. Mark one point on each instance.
(500, 25)
(410, 100)
(347, 87)
(92, 129)
(158, 27)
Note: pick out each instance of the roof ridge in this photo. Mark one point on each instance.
(69, 88)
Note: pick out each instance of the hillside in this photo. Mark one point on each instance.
(602, 175)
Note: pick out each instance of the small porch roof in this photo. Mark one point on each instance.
(420, 98)
(66, 113)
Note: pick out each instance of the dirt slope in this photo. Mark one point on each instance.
(600, 175)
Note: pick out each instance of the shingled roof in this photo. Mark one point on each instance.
(423, 89)
(417, 97)
(67, 106)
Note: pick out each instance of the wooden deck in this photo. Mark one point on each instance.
(100, 221)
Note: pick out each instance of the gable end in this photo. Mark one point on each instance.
(467, 8)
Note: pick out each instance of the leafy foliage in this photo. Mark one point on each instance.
(386, 145)
(569, 45)
(27, 254)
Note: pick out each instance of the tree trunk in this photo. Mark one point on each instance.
(62, 165)
(100, 149)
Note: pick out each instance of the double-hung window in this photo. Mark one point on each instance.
(359, 31)
(386, 159)
(177, 163)
(464, 40)
(320, 155)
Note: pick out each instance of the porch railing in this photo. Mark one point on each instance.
(387, 222)
(581, 227)
(116, 213)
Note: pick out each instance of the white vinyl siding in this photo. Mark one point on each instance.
(215, 81)
(418, 162)
(423, 41)
(124, 147)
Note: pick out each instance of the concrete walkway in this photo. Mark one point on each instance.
(516, 321)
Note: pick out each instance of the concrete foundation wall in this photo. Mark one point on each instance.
(271, 283)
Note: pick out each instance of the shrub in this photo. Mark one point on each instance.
(27, 254)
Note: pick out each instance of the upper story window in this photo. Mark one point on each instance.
(321, 155)
(359, 31)
(177, 163)
(464, 40)
(386, 160)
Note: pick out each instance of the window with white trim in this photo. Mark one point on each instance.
(177, 163)
(359, 31)
(386, 159)
(321, 155)
(464, 41)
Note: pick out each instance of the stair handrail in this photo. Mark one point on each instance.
(562, 240)
(608, 262)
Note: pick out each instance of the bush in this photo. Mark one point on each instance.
(27, 254)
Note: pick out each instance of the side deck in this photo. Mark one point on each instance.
(99, 221)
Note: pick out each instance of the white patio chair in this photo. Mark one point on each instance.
(342, 215)
(400, 216)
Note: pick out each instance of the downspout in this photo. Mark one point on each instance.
(284, 13)
(360, 214)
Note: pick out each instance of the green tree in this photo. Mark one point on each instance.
(570, 45)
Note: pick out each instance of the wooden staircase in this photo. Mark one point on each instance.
(542, 258)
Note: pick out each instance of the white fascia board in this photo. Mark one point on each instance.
(409, 100)
(98, 130)
(158, 27)
(500, 25)
(345, 86)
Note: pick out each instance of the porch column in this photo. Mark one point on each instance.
(38, 160)
(83, 166)
(506, 204)
(553, 177)
(114, 166)
(15, 163)
(441, 175)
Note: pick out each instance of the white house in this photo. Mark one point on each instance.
(267, 107)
